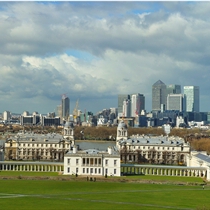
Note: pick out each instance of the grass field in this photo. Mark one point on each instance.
(23, 194)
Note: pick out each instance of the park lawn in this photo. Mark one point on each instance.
(165, 178)
(56, 194)
(27, 173)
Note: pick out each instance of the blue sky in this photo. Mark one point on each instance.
(94, 51)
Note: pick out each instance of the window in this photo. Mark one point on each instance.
(99, 170)
(77, 161)
(83, 161)
(83, 170)
(68, 169)
(77, 170)
(106, 171)
(99, 161)
(115, 171)
(95, 170)
(69, 160)
(115, 162)
(91, 170)
(87, 170)
(106, 162)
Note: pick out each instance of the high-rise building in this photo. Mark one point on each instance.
(65, 107)
(176, 102)
(192, 98)
(137, 104)
(6, 115)
(126, 108)
(173, 89)
(159, 95)
(121, 98)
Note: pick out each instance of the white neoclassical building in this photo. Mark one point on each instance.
(45, 147)
(151, 149)
(92, 162)
(199, 159)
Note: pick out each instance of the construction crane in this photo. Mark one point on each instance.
(75, 112)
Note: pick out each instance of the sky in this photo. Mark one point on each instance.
(93, 51)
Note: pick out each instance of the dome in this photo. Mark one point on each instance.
(122, 125)
(69, 124)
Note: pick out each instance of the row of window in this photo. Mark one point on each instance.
(143, 147)
(91, 161)
(43, 145)
(91, 170)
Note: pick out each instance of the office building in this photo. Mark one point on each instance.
(192, 98)
(173, 89)
(176, 102)
(137, 104)
(6, 116)
(126, 108)
(159, 95)
(121, 98)
(65, 107)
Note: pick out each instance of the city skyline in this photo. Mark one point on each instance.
(93, 51)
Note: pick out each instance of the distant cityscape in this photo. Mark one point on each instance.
(169, 106)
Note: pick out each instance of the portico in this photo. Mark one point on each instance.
(31, 166)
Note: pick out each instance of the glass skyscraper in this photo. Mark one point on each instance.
(192, 98)
(173, 89)
(159, 95)
(65, 107)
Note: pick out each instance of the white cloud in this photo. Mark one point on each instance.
(129, 47)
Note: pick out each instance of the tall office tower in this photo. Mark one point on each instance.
(175, 89)
(126, 108)
(176, 102)
(159, 95)
(192, 98)
(121, 98)
(65, 107)
(6, 115)
(137, 104)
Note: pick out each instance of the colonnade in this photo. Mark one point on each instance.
(164, 170)
(31, 166)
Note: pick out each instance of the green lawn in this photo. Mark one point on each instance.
(54, 194)
(27, 173)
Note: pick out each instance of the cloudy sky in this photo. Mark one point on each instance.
(93, 51)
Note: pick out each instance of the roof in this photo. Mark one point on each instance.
(154, 140)
(203, 157)
(32, 137)
(159, 82)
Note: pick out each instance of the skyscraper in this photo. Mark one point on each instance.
(127, 108)
(176, 102)
(192, 98)
(121, 98)
(175, 89)
(65, 107)
(137, 104)
(159, 95)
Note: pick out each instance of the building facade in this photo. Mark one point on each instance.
(173, 89)
(143, 149)
(92, 162)
(176, 102)
(65, 104)
(31, 146)
(159, 95)
(192, 98)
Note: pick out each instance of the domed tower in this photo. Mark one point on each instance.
(122, 134)
(68, 131)
(122, 131)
